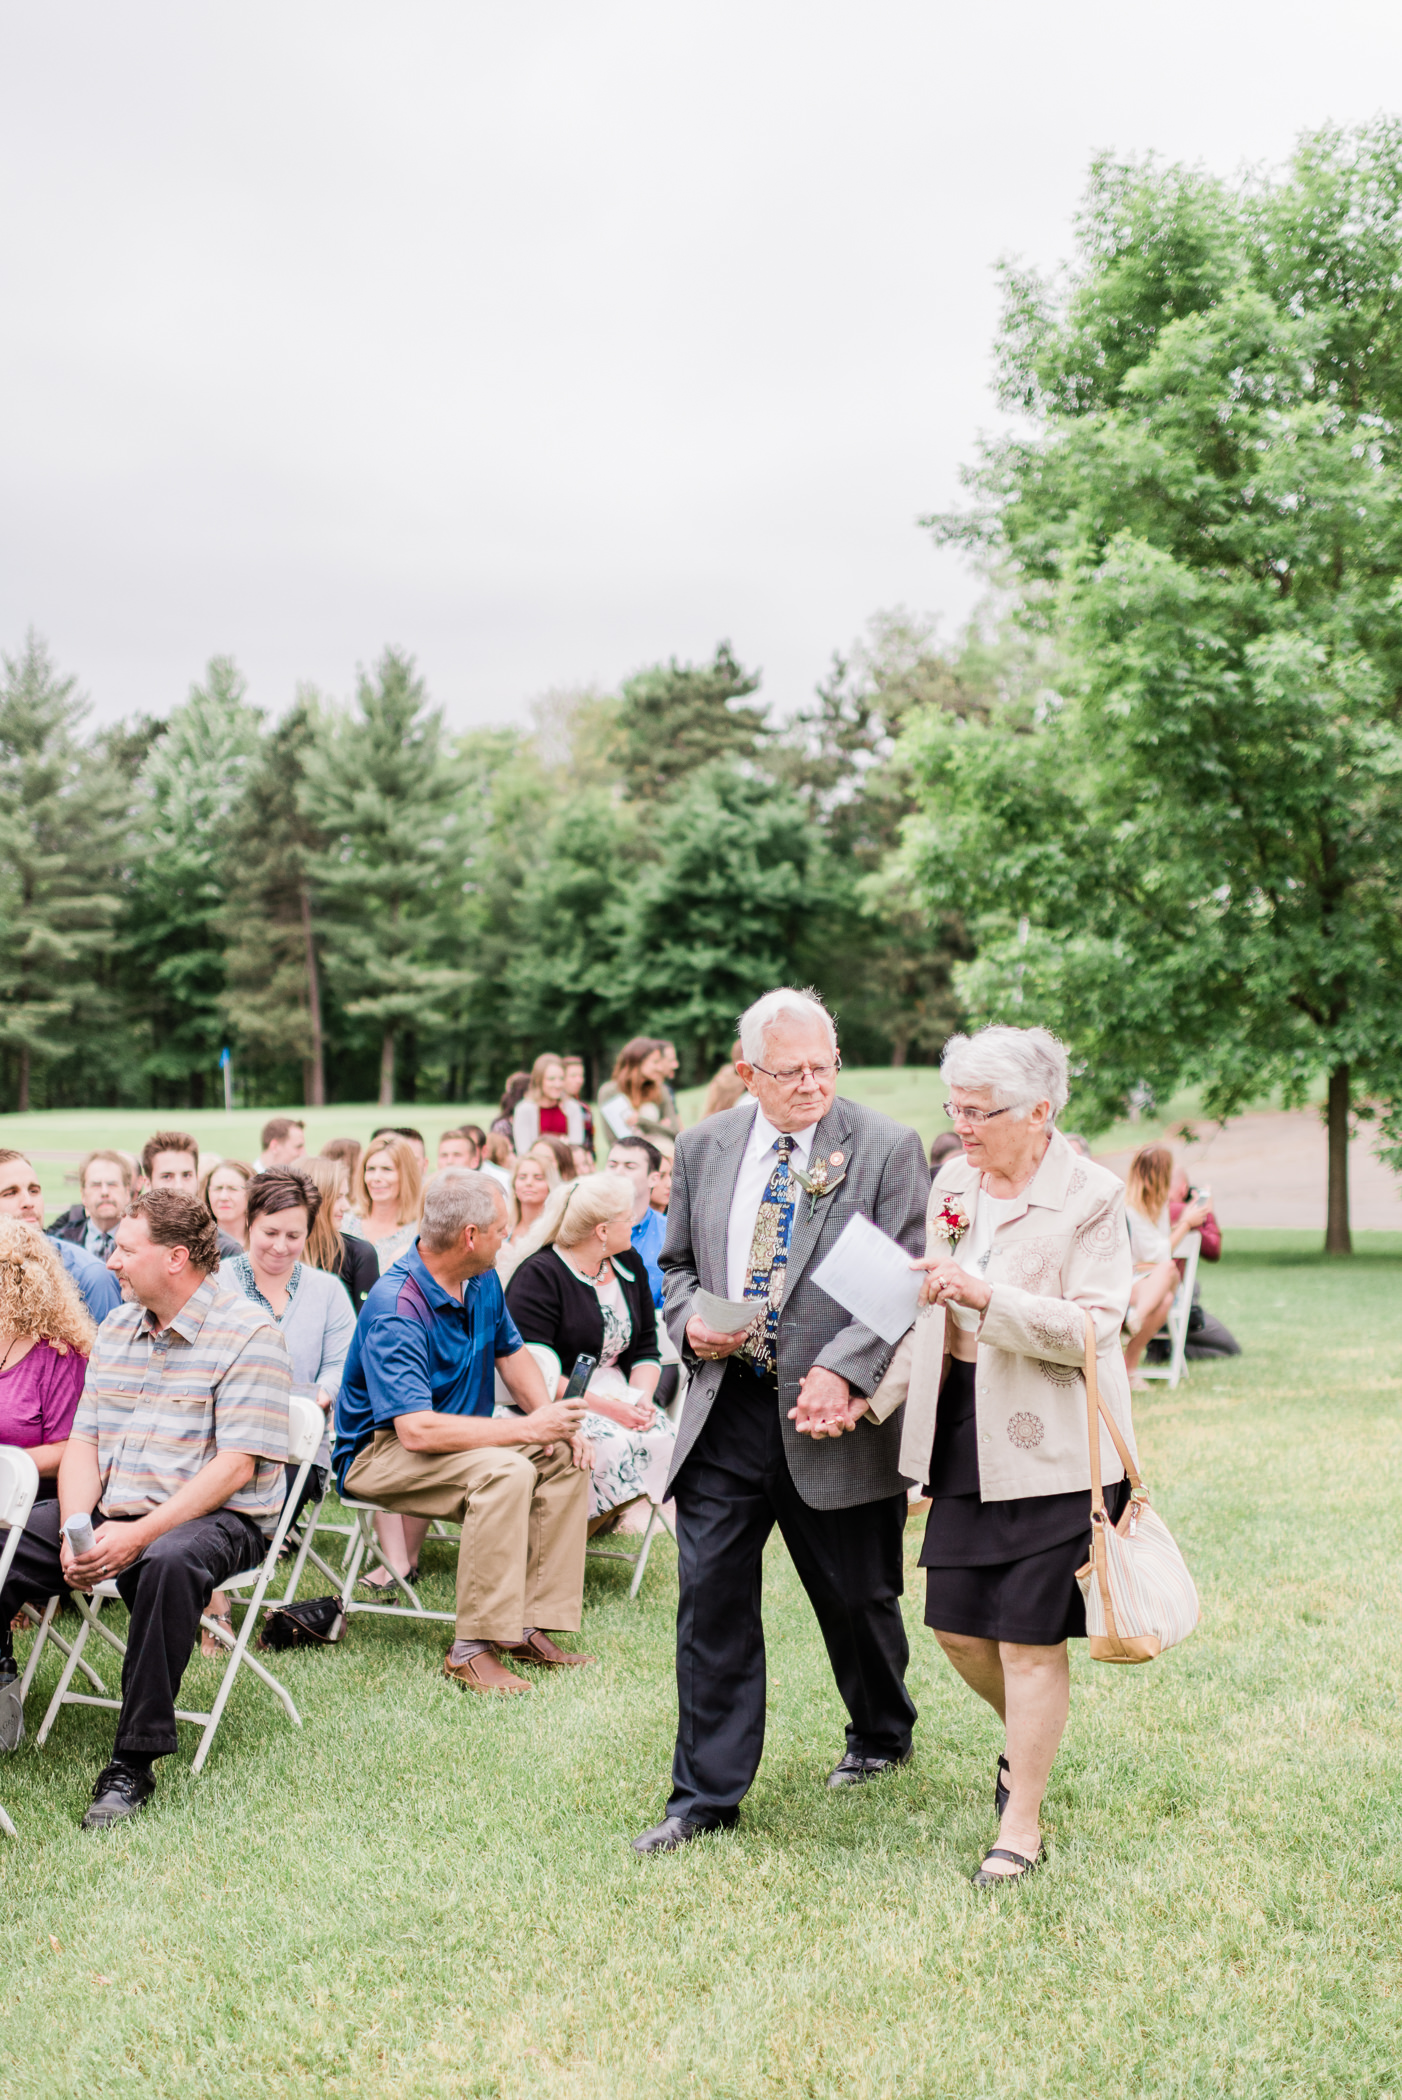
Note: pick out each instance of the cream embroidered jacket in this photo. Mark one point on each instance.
(1063, 1251)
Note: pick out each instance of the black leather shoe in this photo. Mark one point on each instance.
(121, 1791)
(855, 1771)
(1001, 1795)
(671, 1834)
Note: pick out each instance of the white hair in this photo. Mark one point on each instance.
(1018, 1066)
(454, 1198)
(766, 1013)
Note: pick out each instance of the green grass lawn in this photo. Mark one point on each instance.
(424, 1892)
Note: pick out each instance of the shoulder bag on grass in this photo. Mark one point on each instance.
(1139, 1595)
(318, 1623)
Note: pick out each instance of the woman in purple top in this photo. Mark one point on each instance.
(45, 1336)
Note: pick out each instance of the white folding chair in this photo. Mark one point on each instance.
(7, 1826)
(1179, 1313)
(305, 1426)
(19, 1484)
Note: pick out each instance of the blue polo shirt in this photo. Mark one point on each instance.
(648, 1236)
(416, 1346)
(100, 1289)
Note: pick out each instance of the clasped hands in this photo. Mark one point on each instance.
(115, 1547)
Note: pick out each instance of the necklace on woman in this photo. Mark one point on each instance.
(15, 1340)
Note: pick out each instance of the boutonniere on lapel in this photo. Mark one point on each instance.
(951, 1224)
(822, 1178)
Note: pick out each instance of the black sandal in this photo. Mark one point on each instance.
(1001, 1794)
(984, 1880)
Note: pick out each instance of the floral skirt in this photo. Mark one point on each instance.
(627, 1462)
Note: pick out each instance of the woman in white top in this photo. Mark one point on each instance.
(1152, 1245)
(546, 1108)
(388, 1197)
(533, 1182)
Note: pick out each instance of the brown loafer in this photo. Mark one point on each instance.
(482, 1673)
(539, 1648)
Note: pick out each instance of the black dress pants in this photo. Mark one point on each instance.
(165, 1592)
(733, 1489)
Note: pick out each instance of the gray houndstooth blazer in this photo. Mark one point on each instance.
(887, 1180)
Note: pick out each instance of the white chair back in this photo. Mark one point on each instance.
(306, 1426)
(19, 1484)
(551, 1368)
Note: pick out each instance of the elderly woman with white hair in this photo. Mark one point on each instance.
(582, 1290)
(1024, 1240)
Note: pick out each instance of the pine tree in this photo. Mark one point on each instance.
(189, 790)
(60, 811)
(272, 1002)
(386, 794)
(676, 717)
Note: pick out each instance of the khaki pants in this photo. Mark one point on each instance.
(523, 1517)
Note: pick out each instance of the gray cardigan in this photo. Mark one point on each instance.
(317, 1324)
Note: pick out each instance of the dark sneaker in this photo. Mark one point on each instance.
(11, 1708)
(121, 1791)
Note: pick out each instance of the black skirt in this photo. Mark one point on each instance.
(1000, 1571)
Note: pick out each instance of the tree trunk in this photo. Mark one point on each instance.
(22, 1092)
(409, 1067)
(1337, 1238)
(387, 1070)
(900, 1049)
(314, 1066)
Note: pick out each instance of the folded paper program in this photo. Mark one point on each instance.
(870, 1274)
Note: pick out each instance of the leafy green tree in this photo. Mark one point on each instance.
(59, 813)
(733, 898)
(571, 930)
(1204, 832)
(273, 1004)
(188, 792)
(386, 794)
(676, 717)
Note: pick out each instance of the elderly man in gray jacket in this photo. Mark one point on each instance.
(759, 1195)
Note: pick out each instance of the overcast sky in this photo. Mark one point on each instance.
(547, 340)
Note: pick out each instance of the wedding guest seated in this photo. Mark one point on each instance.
(1152, 1245)
(1207, 1335)
(105, 1181)
(641, 1163)
(354, 1261)
(414, 1139)
(170, 1159)
(662, 1180)
(499, 1161)
(387, 1199)
(224, 1192)
(584, 1160)
(176, 1453)
(726, 1089)
(533, 1181)
(546, 1108)
(582, 1291)
(348, 1151)
(557, 1156)
(283, 1142)
(460, 1148)
(574, 1087)
(22, 1197)
(942, 1147)
(416, 1429)
(311, 1309)
(45, 1336)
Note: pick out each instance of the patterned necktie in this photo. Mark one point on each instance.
(769, 1259)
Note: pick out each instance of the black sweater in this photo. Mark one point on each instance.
(550, 1304)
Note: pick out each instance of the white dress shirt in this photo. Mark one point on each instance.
(758, 1163)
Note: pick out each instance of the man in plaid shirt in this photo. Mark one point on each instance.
(177, 1453)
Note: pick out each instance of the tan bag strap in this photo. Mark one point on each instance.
(1095, 1408)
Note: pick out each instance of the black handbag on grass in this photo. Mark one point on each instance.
(319, 1622)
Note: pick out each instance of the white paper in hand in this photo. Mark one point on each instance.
(870, 1274)
(726, 1315)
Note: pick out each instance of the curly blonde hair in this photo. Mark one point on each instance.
(36, 1296)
